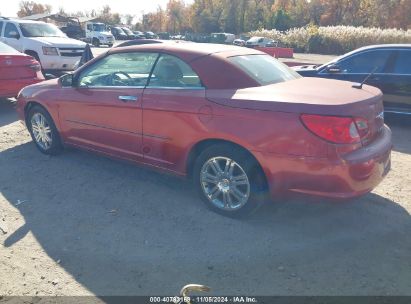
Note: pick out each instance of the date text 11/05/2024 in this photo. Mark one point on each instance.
(202, 299)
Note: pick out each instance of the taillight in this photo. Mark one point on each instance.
(336, 129)
(35, 67)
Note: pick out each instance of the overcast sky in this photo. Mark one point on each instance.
(9, 8)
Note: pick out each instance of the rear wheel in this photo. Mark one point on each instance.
(229, 180)
(43, 131)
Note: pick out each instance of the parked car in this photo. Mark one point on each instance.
(390, 65)
(43, 41)
(235, 120)
(98, 34)
(139, 34)
(17, 70)
(164, 36)
(73, 30)
(259, 42)
(271, 43)
(222, 38)
(150, 35)
(129, 33)
(118, 33)
(239, 42)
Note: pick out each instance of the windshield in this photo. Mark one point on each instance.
(40, 30)
(5, 49)
(264, 69)
(127, 31)
(99, 27)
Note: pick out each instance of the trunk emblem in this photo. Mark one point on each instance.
(8, 62)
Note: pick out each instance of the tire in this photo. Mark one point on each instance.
(43, 131)
(96, 42)
(239, 173)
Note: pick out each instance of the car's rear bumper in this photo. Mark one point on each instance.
(353, 175)
(10, 88)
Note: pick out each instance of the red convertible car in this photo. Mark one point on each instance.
(17, 70)
(235, 120)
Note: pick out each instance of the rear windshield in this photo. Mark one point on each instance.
(264, 69)
(5, 49)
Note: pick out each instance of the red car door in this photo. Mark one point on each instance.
(172, 103)
(102, 111)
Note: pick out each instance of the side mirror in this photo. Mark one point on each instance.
(333, 69)
(66, 80)
(14, 35)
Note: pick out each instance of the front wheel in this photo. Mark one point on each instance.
(43, 131)
(229, 180)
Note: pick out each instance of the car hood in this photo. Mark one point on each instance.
(59, 41)
(105, 34)
(35, 89)
(303, 95)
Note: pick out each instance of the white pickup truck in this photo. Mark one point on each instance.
(97, 33)
(43, 41)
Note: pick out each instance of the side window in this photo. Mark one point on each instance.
(172, 72)
(366, 62)
(1, 26)
(11, 31)
(119, 70)
(403, 63)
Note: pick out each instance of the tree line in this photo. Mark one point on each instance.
(240, 16)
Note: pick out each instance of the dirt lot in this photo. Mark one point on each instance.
(81, 224)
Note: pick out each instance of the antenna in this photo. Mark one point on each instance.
(360, 85)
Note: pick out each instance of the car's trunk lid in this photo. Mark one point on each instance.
(309, 96)
(16, 67)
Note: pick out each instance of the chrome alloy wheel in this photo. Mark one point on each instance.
(225, 183)
(41, 131)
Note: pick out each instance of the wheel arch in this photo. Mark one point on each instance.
(30, 104)
(33, 54)
(200, 146)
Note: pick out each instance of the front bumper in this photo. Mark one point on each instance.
(353, 175)
(106, 40)
(59, 63)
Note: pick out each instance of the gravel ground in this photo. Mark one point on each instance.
(80, 224)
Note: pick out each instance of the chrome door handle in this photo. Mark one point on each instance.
(128, 98)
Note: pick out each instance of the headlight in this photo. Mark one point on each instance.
(50, 51)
